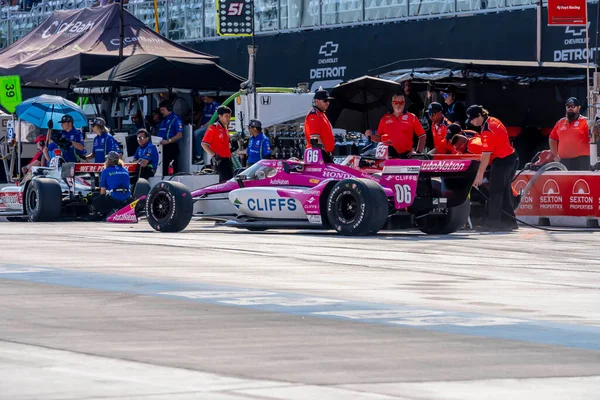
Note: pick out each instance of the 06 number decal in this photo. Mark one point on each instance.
(312, 156)
(403, 194)
(235, 9)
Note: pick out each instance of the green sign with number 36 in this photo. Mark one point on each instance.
(10, 92)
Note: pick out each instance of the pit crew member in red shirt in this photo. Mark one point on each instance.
(317, 124)
(497, 151)
(216, 143)
(570, 138)
(439, 128)
(400, 126)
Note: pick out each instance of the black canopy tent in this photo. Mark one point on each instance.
(153, 71)
(520, 93)
(76, 44)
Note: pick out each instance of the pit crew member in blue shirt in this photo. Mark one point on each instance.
(104, 142)
(209, 109)
(146, 155)
(114, 185)
(71, 141)
(259, 146)
(171, 130)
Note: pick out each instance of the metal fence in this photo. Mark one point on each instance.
(185, 20)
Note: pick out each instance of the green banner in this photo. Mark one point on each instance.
(10, 92)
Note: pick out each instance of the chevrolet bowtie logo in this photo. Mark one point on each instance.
(329, 49)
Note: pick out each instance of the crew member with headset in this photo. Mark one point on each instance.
(103, 142)
(570, 140)
(259, 145)
(216, 143)
(171, 130)
(317, 124)
(70, 141)
(497, 151)
(400, 125)
(114, 185)
(146, 155)
(439, 129)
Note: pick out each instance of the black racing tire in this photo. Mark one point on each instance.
(43, 200)
(456, 218)
(142, 188)
(357, 207)
(169, 207)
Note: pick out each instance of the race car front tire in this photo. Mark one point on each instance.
(169, 207)
(43, 200)
(142, 188)
(357, 207)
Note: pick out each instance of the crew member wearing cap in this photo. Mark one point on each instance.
(439, 129)
(317, 124)
(104, 142)
(400, 126)
(146, 155)
(74, 149)
(497, 151)
(216, 143)
(570, 140)
(259, 146)
(39, 159)
(171, 130)
(453, 110)
(114, 185)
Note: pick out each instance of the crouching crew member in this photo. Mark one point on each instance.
(570, 140)
(400, 126)
(497, 151)
(114, 185)
(259, 146)
(216, 143)
(104, 142)
(146, 155)
(465, 145)
(317, 123)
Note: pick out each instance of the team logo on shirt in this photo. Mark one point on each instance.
(404, 118)
(576, 123)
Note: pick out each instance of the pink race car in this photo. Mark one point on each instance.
(421, 192)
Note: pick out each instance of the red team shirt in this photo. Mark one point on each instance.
(572, 137)
(400, 130)
(441, 145)
(316, 122)
(217, 136)
(494, 138)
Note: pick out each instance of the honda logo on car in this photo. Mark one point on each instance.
(271, 204)
(337, 175)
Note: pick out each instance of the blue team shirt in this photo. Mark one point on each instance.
(170, 126)
(116, 177)
(148, 152)
(51, 147)
(73, 155)
(259, 146)
(103, 145)
(208, 111)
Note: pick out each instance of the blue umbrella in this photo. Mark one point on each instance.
(41, 109)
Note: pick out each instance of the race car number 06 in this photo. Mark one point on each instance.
(312, 156)
(403, 194)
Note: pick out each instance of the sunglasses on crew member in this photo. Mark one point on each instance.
(571, 105)
(398, 103)
(141, 137)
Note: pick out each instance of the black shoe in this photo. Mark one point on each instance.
(198, 160)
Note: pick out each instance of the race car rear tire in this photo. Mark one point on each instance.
(142, 188)
(357, 207)
(169, 207)
(456, 218)
(43, 200)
